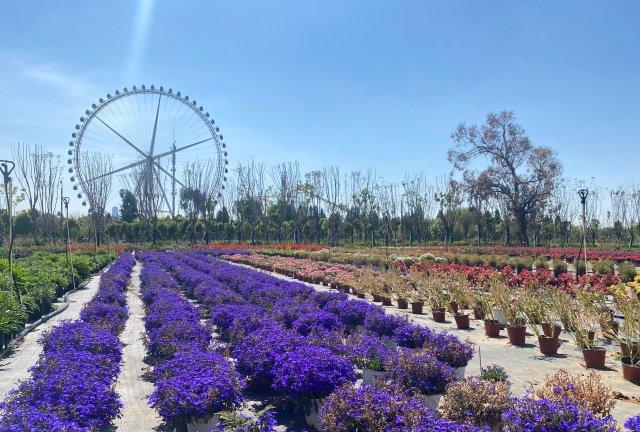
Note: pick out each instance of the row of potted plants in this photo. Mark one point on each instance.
(72, 385)
(516, 302)
(567, 253)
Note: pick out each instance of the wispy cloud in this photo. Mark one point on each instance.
(139, 38)
(22, 70)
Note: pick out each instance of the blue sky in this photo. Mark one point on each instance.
(371, 83)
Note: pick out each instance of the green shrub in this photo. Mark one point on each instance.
(559, 267)
(603, 267)
(627, 271)
(580, 268)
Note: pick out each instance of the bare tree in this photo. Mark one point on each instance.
(30, 175)
(97, 166)
(518, 172)
(49, 192)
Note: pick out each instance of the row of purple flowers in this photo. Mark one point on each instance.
(71, 388)
(191, 381)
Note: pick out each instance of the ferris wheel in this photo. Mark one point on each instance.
(154, 142)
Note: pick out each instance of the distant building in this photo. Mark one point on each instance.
(115, 212)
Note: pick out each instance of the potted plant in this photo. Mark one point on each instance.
(420, 293)
(307, 375)
(510, 306)
(459, 295)
(629, 334)
(535, 309)
(585, 390)
(203, 373)
(492, 326)
(421, 371)
(558, 415)
(437, 298)
(400, 286)
(366, 408)
(582, 320)
(370, 353)
(476, 401)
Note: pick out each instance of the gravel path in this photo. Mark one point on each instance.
(526, 365)
(15, 367)
(132, 387)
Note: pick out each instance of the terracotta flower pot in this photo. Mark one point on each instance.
(551, 331)
(517, 334)
(628, 350)
(478, 313)
(594, 358)
(454, 307)
(438, 314)
(386, 301)
(630, 372)
(416, 307)
(492, 328)
(402, 304)
(548, 345)
(462, 321)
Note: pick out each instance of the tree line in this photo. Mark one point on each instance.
(502, 189)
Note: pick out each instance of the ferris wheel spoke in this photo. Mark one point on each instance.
(122, 137)
(124, 168)
(170, 175)
(155, 128)
(164, 194)
(167, 153)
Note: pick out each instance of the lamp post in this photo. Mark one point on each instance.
(583, 194)
(6, 168)
(65, 201)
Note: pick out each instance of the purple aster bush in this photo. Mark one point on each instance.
(369, 352)
(558, 415)
(420, 371)
(68, 337)
(310, 372)
(383, 324)
(258, 352)
(633, 424)
(323, 297)
(112, 317)
(370, 409)
(211, 293)
(450, 349)
(226, 316)
(319, 320)
(412, 336)
(194, 386)
(26, 418)
(351, 312)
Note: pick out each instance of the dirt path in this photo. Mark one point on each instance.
(132, 387)
(525, 364)
(15, 367)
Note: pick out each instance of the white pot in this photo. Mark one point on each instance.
(203, 425)
(311, 411)
(369, 375)
(499, 316)
(460, 372)
(432, 401)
